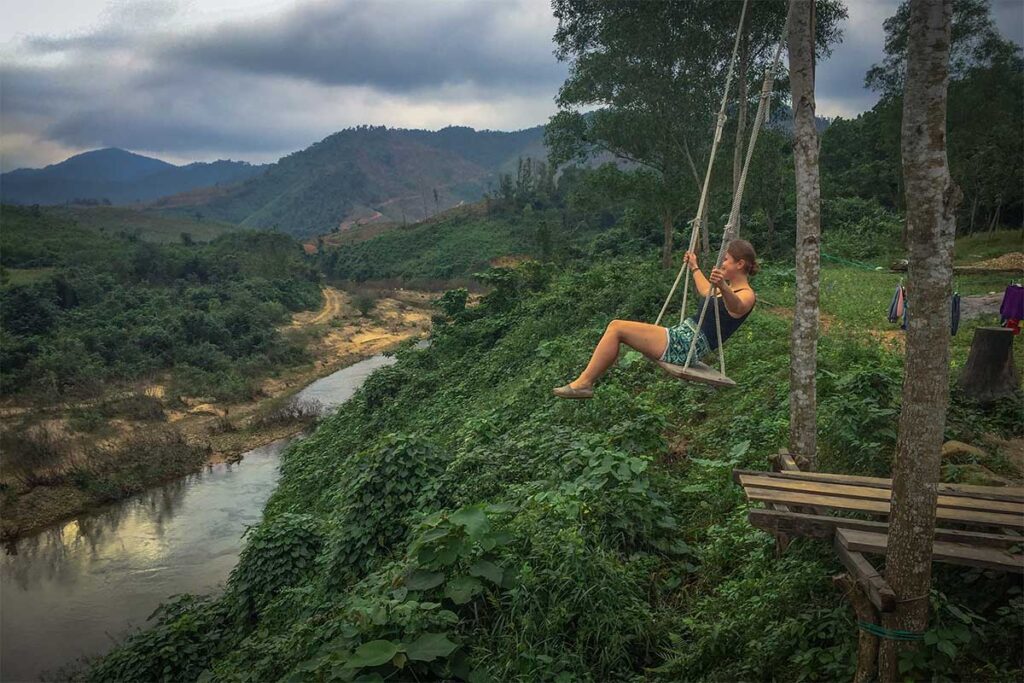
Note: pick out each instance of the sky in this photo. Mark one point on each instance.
(198, 80)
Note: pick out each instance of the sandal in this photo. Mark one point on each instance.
(568, 392)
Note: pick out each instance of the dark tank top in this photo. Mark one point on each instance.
(729, 323)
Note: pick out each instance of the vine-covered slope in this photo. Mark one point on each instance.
(454, 521)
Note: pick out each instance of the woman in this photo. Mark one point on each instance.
(735, 300)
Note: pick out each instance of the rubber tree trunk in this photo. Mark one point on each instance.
(804, 341)
(666, 245)
(989, 374)
(932, 199)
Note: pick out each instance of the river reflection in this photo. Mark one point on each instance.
(76, 589)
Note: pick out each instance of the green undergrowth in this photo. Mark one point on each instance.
(454, 521)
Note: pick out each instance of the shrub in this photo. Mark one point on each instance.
(857, 228)
(278, 553)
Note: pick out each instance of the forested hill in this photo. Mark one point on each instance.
(115, 176)
(373, 173)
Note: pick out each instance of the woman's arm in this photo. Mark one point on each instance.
(737, 303)
(699, 281)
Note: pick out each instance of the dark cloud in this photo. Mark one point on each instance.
(148, 78)
(259, 87)
(393, 45)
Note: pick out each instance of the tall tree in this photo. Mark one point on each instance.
(932, 199)
(656, 71)
(803, 426)
(974, 42)
(985, 148)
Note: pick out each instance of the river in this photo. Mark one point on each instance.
(78, 588)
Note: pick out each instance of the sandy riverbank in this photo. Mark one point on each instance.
(210, 431)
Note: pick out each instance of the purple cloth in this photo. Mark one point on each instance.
(1012, 307)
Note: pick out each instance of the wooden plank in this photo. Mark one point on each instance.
(822, 527)
(942, 551)
(785, 461)
(879, 593)
(965, 502)
(1008, 493)
(879, 507)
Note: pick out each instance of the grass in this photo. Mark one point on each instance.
(26, 276)
(857, 300)
(985, 245)
(147, 225)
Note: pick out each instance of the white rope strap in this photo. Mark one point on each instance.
(730, 230)
(702, 205)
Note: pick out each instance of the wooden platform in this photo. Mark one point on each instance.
(979, 526)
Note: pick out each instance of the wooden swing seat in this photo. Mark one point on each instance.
(697, 372)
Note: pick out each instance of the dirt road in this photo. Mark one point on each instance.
(333, 303)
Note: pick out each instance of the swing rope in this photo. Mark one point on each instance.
(729, 233)
(702, 204)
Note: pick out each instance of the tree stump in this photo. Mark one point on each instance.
(989, 373)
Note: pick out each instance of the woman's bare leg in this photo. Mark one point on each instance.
(649, 340)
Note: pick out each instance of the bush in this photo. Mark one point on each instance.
(856, 228)
(365, 301)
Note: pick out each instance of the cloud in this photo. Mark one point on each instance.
(207, 79)
(394, 45)
(839, 83)
(261, 88)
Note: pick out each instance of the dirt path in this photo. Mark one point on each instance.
(333, 302)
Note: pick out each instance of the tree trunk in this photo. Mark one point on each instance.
(666, 246)
(995, 218)
(867, 644)
(739, 152)
(990, 374)
(932, 198)
(804, 340)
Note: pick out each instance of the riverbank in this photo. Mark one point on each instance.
(150, 437)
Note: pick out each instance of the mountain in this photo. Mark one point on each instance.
(367, 174)
(115, 176)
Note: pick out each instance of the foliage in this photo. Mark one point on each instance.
(405, 174)
(382, 491)
(861, 157)
(856, 228)
(277, 555)
(116, 308)
(469, 526)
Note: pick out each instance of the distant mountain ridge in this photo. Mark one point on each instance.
(367, 174)
(118, 176)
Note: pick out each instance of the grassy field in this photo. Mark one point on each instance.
(146, 225)
(986, 245)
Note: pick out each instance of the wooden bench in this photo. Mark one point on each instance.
(978, 526)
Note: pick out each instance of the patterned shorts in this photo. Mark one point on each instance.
(679, 338)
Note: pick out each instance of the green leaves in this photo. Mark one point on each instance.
(461, 590)
(473, 519)
(421, 580)
(429, 647)
(487, 570)
(373, 653)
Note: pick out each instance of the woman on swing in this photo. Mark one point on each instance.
(735, 300)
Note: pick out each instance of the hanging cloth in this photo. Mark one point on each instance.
(1012, 307)
(896, 307)
(1011, 311)
(954, 313)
